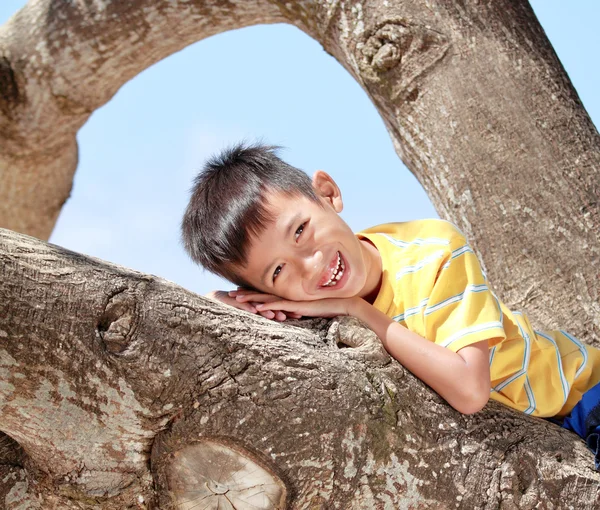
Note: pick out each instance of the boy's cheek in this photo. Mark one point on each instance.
(290, 296)
(294, 295)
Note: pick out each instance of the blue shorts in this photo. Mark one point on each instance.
(584, 420)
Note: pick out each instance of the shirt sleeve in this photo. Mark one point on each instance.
(461, 309)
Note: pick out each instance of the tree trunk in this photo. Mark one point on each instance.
(120, 390)
(127, 391)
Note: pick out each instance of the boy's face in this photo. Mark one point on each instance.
(309, 252)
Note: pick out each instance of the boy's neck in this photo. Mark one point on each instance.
(374, 271)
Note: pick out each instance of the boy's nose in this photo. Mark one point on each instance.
(313, 262)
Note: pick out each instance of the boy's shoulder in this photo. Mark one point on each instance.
(430, 230)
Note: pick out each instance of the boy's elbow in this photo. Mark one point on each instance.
(473, 389)
(473, 402)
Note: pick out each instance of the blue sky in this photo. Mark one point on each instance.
(139, 153)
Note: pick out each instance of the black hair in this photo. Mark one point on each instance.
(227, 205)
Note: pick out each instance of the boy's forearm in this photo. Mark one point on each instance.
(442, 369)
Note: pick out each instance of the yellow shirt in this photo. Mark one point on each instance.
(433, 284)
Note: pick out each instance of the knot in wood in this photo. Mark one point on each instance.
(358, 341)
(217, 475)
(11, 453)
(383, 49)
(396, 56)
(216, 487)
(10, 95)
(115, 326)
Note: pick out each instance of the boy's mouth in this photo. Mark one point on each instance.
(335, 271)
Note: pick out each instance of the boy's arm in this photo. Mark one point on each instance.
(462, 378)
(228, 297)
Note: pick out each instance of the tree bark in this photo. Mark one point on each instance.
(114, 386)
(118, 386)
(476, 102)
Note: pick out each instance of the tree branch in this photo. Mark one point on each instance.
(178, 368)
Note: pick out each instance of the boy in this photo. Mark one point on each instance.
(268, 228)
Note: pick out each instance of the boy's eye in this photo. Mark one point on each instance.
(299, 230)
(276, 272)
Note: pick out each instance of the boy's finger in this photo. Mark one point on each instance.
(247, 307)
(244, 297)
(272, 305)
(267, 314)
(258, 298)
(279, 316)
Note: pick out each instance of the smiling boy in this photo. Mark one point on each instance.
(265, 226)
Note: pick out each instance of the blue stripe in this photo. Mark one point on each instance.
(526, 358)
(492, 352)
(456, 298)
(530, 397)
(457, 253)
(583, 351)
(411, 311)
(563, 380)
(419, 241)
(499, 308)
(423, 304)
(468, 331)
(419, 265)
(461, 251)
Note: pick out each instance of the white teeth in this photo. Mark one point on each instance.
(337, 273)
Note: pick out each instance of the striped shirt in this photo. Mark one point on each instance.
(433, 284)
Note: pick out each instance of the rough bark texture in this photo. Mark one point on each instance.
(112, 381)
(475, 100)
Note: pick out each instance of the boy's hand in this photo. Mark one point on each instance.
(317, 308)
(255, 298)
(249, 302)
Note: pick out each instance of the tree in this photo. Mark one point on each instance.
(116, 385)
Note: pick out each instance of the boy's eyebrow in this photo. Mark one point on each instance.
(292, 223)
(288, 230)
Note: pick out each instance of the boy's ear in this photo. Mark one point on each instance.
(326, 188)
